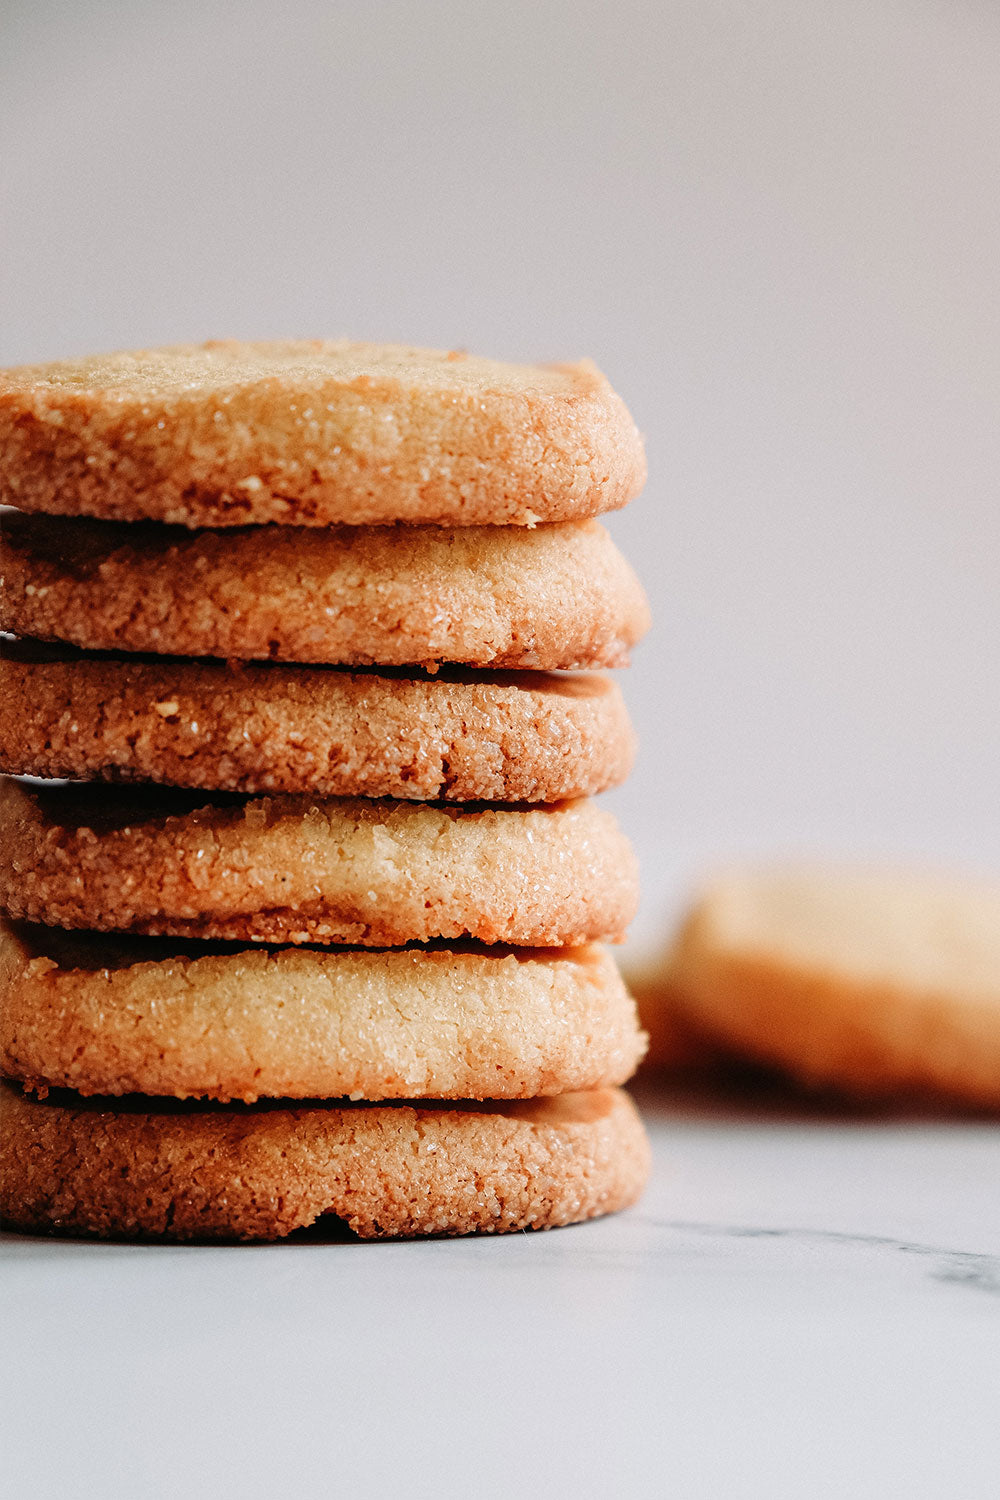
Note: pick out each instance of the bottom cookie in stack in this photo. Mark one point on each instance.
(152, 1167)
(156, 1036)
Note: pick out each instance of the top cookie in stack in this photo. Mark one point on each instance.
(315, 433)
(242, 530)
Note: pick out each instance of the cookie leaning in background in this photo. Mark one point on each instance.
(312, 870)
(149, 1168)
(316, 432)
(553, 598)
(108, 1015)
(874, 983)
(458, 736)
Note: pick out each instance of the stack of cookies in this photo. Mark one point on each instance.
(311, 921)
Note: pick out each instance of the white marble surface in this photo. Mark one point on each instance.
(804, 1304)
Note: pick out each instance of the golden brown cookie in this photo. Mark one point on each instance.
(143, 1168)
(308, 870)
(458, 736)
(311, 433)
(865, 981)
(489, 596)
(107, 1015)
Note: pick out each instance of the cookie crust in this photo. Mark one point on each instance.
(311, 433)
(489, 596)
(142, 1169)
(312, 870)
(107, 1015)
(458, 736)
(872, 983)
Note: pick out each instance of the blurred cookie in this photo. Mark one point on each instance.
(301, 870)
(310, 433)
(107, 1015)
(872, 983)
(143, 1168)
(488, 596)
(458, 736)
(675, 1046)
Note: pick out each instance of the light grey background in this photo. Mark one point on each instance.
(776, 226)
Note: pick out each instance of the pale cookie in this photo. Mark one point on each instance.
(458, 736)
(301, 870)
(143, 1168)
(106, 1015)
(868, 982)
(311, 433)
(489, 596)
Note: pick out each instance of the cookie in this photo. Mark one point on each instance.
(144, 1168)
(313, 433)
(489, 596)
(312, 870)
(675, 1046)
(864, 981)
(106, 1015)
(458, 736)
